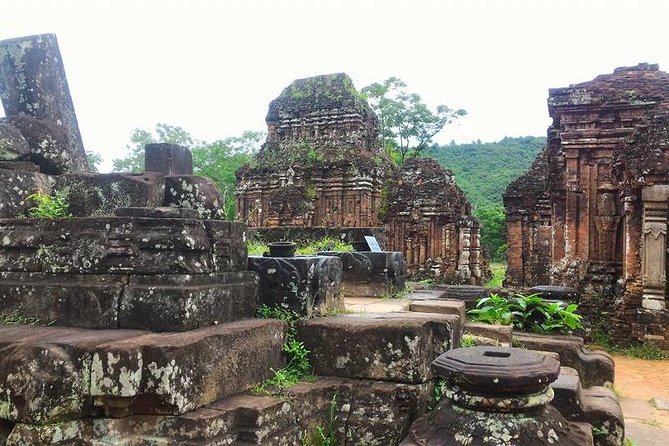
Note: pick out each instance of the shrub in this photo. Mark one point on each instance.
(527, 313)
(49, 206)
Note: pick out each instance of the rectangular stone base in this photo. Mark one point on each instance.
(166, 302)
(360, 412)
(49, 374)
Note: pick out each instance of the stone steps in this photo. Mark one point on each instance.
(596, 405)
(49, 374)
(467, 293)
(365, 412)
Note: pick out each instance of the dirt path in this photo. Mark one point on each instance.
(639, 382)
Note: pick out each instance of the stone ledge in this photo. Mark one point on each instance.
(49, 374)
(367, 412)
(396, 347)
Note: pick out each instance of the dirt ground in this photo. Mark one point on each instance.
(639, 382)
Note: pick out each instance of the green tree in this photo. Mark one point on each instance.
(134, 160)
(493, 223)
(94, 161)
(407, 124)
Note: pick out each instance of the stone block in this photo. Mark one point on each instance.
(428, 295)
(558, 293)
(74, 300)
(13, 146)
(50, 374)
(228, 244)
(18, 185)
(502, 334)
(101, 194)
(595, 368)
(193, 192)
(168, 159)
(442, 306)
(467, 293)
(308, 285)
(49, 145)
(397, 347)
(371, 274)
(34, 85)
(365, 412)
(157, 212)
(596, 405)
(186, 302)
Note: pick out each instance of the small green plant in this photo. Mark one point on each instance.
(324, 244)
(598, 432)
(323, 435)
(15, 318)
(642, 350)
(629, 442)
(527, 313)
(468, 341)
(49, 206)
(298, 367)
(437, 393)
(398, 294)
(256, 248)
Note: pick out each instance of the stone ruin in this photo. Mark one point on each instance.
(592, 211)
(322, 166)
(148, 333)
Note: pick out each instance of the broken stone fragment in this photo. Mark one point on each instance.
(13, 146)
(168, 159)
(48, 145)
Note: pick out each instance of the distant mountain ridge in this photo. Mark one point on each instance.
(484, 170)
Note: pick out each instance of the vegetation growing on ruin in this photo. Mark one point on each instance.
(48, 206)
(298, 367)
(16, 318)
(323, 435)
(304, 248)
(527, 313)
(643, 350)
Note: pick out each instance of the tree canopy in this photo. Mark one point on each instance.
(407, 124)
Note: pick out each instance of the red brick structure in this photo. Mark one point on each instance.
(592, 211)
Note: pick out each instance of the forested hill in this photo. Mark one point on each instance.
(483, 170)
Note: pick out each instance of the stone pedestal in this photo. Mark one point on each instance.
(308, 285)
(495, 396)
(371, 274)
(654, 242)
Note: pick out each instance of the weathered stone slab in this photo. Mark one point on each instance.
(168, 159)
(101, 194)
(502, 334)
(396, 347)
(73, 300)
(157, 212)
(365, 412)
(193, 192)
(553, 292)
(187, 302)
(34, 85)
(13, 146)
(305, 284)
(442, 306)
(371, 274)
(119, 246)
(595, 368)
(596, 405)
(18, 185)
(428, 295)
(467, 293)
(52, 374)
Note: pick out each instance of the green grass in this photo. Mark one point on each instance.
(257, 248)
(643, 350)
(498, 273)
(15, 318)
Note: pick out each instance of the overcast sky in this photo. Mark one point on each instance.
(212, 67)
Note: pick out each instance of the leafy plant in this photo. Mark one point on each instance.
(498, 272)
(320, 435)
(16, 318)
(468, 341)
(527, 313)
(297, 366)
(49, 206)
(256, 248)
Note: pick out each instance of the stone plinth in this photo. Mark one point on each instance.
(149, 270)
(33, 88)
(50, 374)
(394, 347)
(493, 394)
(371, 274)
(308, 285)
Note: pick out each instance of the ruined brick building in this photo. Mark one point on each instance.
(592, 211)
(322, 166)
